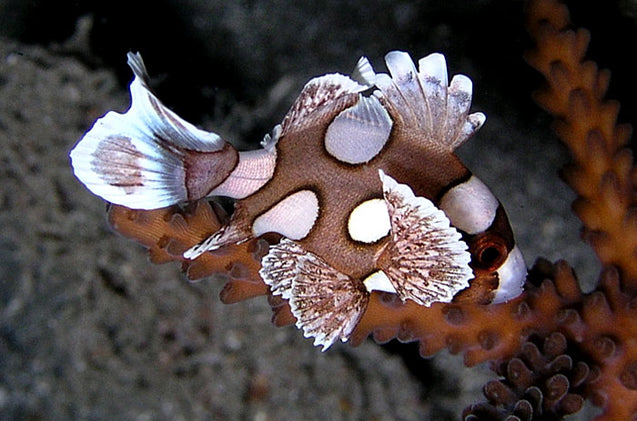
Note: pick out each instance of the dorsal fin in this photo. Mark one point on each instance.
(435, 113)
(319, 97)
(360, 132)
(364, 72)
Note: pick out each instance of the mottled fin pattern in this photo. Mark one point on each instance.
(426, 259)
(431, 111)
(136, 159)
(319, 97)
(326, 303)
(280, 266)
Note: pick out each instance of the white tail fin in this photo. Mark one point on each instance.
(149, 157)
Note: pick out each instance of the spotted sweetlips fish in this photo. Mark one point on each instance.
(360, 180)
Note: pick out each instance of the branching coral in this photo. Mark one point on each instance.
(168, 232)
(554, 346)
(602, 172)
(581, 349)
(596, 331)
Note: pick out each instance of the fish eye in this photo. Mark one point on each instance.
(488, 251)
(489, 255)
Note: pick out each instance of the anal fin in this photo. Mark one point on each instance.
(327, 303)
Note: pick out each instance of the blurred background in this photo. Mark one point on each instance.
(90, 330)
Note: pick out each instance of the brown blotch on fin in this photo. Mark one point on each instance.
(116, 161)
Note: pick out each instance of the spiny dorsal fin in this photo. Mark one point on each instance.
(435, 113)
(319, 97)
(364, 72)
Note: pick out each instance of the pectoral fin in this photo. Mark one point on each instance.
(426, 259)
